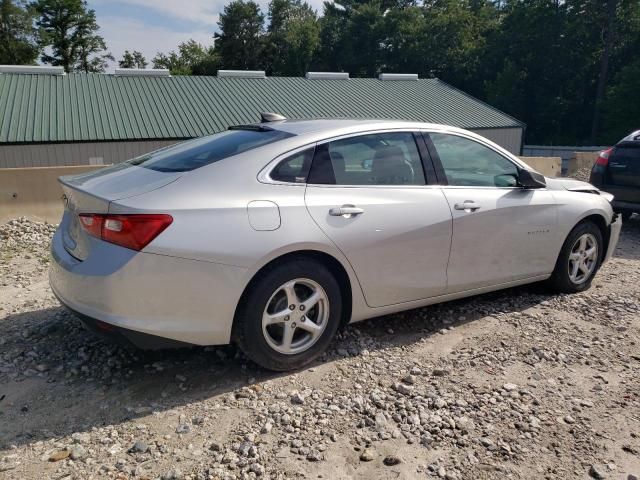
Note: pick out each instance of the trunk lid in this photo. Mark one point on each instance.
(94, 191)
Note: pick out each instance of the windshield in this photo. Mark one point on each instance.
(192, 154)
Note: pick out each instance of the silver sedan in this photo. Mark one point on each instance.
(274, 235)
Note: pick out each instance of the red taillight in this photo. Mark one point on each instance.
(603, 157)
(134, 231)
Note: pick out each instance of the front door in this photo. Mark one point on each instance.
(501, 232)
(368, 194)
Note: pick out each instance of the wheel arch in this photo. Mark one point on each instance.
(334, 265)
(601, 222)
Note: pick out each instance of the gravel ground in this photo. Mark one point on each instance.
(516, 384)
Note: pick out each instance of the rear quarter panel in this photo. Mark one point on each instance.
(211, 221)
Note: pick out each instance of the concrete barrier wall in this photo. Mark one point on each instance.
(34, 192)
(581, 160)
(548, 166)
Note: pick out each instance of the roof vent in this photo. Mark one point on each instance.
(142, 72)
(398, 76)
(32, 69)
(327, 75)
(242, 74)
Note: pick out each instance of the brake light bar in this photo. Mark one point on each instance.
(134, 231)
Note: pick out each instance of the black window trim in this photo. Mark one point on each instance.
(440, 174)
(285, 157)
(264, 176)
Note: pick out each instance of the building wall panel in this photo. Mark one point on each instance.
(509, 138)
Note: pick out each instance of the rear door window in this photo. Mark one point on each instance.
(374, 159)
(197, 153)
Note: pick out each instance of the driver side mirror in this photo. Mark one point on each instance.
(529, 179)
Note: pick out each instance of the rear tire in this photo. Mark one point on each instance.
(290, 315)
(577, 263)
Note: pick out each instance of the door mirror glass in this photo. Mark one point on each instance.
(529, 179)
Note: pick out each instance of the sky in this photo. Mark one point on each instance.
(152, 26)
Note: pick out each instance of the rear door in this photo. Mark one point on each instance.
(369, 195)
(623, 172)
(501, 232)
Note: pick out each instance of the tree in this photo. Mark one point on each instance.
(621, 106)
(293, 37)
(241, 38)
(192, 58)
(18, 38)
(352, 37)
(69, 31)
(132, 60)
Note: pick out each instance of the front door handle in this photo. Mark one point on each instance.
(467, 206)
(346, 211)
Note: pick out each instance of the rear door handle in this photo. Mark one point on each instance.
(346, 211)
(467, 206)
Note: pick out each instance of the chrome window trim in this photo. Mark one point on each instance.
(265, 174)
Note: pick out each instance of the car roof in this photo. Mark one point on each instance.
(632, 137)
(331, 126)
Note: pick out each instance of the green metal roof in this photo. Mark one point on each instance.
(94, 107)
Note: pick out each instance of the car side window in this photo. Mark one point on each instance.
(375, 159)
(469, 163)
(293, 169)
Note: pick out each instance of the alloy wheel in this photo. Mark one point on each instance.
(295, 317)
(583, 258)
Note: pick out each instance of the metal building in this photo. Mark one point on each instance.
(48, 118)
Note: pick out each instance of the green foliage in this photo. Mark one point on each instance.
(133, 59)
(292, 38)
(622, 104)
(568, 68)
(69, 31)
(241, 42)
(18, 38)
(192, 58)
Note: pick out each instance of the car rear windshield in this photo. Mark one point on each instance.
(197, 153)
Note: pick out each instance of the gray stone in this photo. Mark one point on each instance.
(597, 471)
(367, 455)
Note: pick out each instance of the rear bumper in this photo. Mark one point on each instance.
(182, 300)
(124, 336)
(621, 205)
(614, 236)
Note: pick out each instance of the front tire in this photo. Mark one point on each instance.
(579, 259)
(290, 315)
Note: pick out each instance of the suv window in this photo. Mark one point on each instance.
(293, 169)
(197, 153)
(469, 163)
(374, 159)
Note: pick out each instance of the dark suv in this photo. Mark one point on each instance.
(617, 171)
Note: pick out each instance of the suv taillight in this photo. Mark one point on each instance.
(133, 231)
(603, 157)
